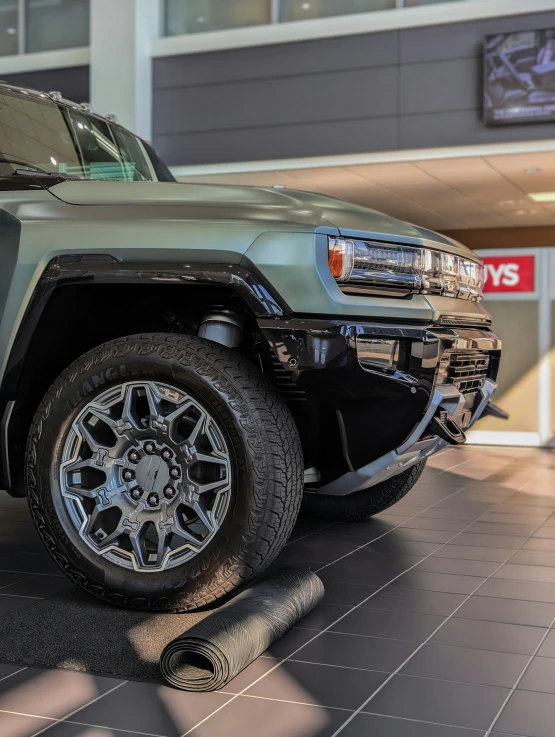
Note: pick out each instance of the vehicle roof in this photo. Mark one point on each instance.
(47, 97)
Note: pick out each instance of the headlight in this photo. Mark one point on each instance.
(367, 267)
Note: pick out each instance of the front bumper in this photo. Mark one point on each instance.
(416, 448)
(383, 416)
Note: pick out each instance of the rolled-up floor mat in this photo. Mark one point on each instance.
(215, 650)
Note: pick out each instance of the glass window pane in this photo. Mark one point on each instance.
(57, 24)
(40, 133)
(304, 9)
(196, 16)
(8, 27)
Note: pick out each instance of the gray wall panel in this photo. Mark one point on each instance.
(432, 43)
(433, 87)
(303, 57)
(323, 139)
(415, 88)
(72, 82)
(363, 93)
(462, 128)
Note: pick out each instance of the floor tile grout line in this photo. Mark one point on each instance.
(75, 711)
(314, 532)
(114, 729)
(286, 701)
(422, 721)
(340, 618)
(16, 582)
(24, 714)
(411, 656)
(13, 674)
(519, 679)
(21, 596)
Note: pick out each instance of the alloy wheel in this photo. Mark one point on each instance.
(146, 475)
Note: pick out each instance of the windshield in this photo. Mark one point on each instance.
(55, 138)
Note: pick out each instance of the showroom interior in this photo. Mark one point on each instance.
(439, 613)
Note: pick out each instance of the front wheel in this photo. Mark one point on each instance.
(163, 472)
(366, 502)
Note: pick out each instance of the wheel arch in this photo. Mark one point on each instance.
(68, 288)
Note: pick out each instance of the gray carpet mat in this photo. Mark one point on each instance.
(75, 631)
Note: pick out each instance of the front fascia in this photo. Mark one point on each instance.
(378, 410)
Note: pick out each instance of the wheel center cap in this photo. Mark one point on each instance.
(152, 474)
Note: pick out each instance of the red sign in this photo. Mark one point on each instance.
(510, 273)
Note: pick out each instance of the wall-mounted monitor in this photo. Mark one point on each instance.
(519, 77)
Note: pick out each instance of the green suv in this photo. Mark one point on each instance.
(184, 365)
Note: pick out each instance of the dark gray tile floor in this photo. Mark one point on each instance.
(438, 621)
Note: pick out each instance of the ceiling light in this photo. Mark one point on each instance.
(278, 186)
(542, 196)
(305, 6)
(532, 170)
(11, 31)
(53, 160)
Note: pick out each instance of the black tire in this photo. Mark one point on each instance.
(364, 503)
(267, 470)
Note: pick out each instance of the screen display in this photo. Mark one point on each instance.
(519, 77)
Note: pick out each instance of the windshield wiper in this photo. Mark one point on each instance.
(35, 170)
(43, 173)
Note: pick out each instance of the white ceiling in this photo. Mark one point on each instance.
(442, 194)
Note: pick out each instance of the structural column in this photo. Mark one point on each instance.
(121, 66)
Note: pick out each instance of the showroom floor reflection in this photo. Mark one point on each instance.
(438, 622)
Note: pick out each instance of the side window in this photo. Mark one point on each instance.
(134, 155)
(101, 157)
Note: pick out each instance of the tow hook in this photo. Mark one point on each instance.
(446, 428)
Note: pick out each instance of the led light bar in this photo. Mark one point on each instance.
(365, 266)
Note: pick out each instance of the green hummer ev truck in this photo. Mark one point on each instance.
(183, 364)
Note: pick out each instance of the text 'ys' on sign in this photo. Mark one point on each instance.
(510, 273)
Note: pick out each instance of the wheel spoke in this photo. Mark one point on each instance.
(179, 529)
(203, 458)
(204, 514)
(126, 413)
(79, 465)
(104, 417)
(87, 437)
(203, 488)
(137, 543)
(154, 406)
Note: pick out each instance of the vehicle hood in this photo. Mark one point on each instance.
(269, 205)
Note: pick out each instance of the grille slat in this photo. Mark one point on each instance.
(467, 370)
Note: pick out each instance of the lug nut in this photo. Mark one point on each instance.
(153, 499)
(134, 457)
(175, 472)
(128, 475)
(169, 492)
(150, 448)
(166, 454)
(137, 493)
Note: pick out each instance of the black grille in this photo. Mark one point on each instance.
(467, 370)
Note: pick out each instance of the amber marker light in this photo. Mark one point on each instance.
(340, 258)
